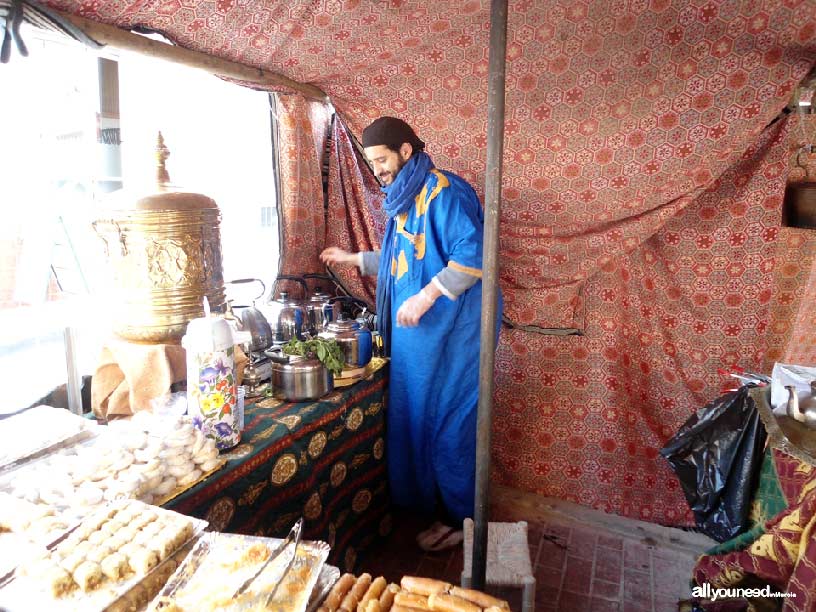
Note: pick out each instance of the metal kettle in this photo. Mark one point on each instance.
(805, 411)
(319, 310)
(354, 339)
(286, 315)
(253, 320)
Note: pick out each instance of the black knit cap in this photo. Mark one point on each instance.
(391, 132)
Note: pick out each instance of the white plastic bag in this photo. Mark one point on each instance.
(785, 375)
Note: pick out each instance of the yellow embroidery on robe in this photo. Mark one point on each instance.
(393, 267)
(423, 201)
(402, 265)
(441, 182)
(401, 219)
(466, 269)
(419, 246)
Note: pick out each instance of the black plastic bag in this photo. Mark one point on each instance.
(717, 455)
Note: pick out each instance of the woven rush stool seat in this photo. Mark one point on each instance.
(508, 559)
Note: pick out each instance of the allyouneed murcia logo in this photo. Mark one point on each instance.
(708, 592)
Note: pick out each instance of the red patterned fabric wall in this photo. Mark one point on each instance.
(641, 195)
(355, 219)
(301, 188)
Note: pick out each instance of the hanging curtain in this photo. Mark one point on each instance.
(355, 220)
(301, 207)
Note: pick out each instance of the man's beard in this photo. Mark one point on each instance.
(394, 174)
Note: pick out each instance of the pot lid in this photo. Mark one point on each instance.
(319, 296)
(342, 325)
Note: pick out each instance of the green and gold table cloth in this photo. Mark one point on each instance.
(322, 460)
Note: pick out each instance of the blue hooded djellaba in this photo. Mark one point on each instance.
(435, 221)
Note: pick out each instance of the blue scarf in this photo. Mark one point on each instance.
(399, 197)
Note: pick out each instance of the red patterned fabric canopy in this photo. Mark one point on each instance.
(641, 197)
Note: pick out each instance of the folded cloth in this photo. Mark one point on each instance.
(130, 375)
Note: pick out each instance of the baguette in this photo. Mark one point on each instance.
(387, 597)
(411, 600)
(424, 586)
(372, 594)
(396, 608)
(440, 602)
(373, 606)
(360, 587)
(338, 592)
(482, 600)
(349, 603)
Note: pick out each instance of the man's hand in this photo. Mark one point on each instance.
(336, 255)
(414, 307)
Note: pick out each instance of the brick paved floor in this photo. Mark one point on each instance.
(579, 566)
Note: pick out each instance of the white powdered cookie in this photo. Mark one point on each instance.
(190, 478)
(210, 465)
(182, 471)
(166, 486)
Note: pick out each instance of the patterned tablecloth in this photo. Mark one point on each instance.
(321, 460)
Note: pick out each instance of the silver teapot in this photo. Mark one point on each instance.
(354, 339)
(320, 310)
(252, 320)
(287, 316)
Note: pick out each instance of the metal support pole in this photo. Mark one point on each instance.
(490, 280)
(74, 385)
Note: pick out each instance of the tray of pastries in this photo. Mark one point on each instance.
(38, 429)
(103, 557)
(221, 563)
(366, 594)
(150, 460)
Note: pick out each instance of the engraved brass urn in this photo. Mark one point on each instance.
(165, 253)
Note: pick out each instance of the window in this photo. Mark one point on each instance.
(78, 128)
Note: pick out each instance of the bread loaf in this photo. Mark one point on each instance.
(441, 602)
(372, 594)
(339, 591)
(480, 599)
(424, 586)
(411, 600)
(387, 597)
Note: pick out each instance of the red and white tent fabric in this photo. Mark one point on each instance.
(643, 177)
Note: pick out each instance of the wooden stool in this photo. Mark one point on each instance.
(508, 559)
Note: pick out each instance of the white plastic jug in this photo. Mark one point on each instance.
(211, 385)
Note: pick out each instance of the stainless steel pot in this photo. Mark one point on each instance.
(354, 339)
(297, 379)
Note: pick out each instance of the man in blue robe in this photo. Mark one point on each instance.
(429, 295)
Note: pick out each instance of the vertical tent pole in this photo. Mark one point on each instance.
(490, 279)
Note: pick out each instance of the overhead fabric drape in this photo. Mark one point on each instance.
(641, 197)
(355, 219)
(302, 220)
